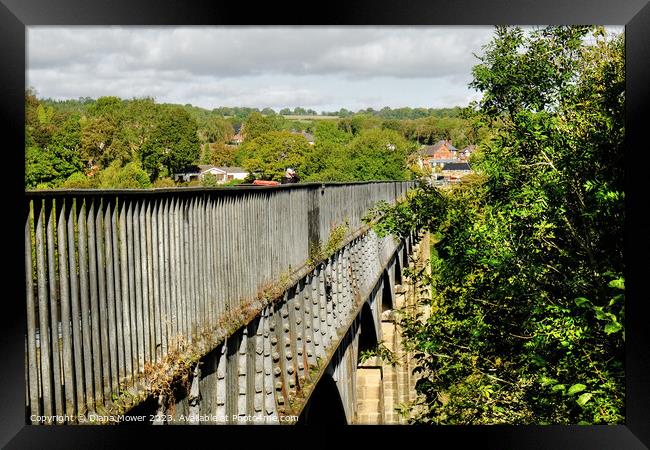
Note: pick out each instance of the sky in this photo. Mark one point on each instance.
(322, 68)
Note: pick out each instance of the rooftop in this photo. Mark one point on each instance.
(430, 150)
(456, 166)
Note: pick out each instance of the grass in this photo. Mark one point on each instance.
(320, 252)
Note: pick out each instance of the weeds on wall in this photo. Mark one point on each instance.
(320, 252)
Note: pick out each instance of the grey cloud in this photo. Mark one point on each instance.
(237, 51)
(319, 67)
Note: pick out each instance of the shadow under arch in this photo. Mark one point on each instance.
(404, 254)
(368, 333)
(398, 270)
(386, 294)
(325, 406)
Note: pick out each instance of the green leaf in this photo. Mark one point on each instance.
(545, 381)
(616, 299)
(618, 283)
(558, 387)
(538, 360)
(600, 314)
(583, 399)
(582, 302)
(576, 388)
(613, 327)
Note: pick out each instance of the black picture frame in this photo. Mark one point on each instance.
(16, 15)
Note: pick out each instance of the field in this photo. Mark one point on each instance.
(308, 118)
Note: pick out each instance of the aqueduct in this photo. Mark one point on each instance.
(228, 305)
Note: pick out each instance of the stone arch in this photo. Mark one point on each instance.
(368, 336)
(325, 406)
(398, 269)
(386, 292)
(405, 254)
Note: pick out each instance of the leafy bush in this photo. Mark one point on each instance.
(527, 276)
(164, 183)
(131, 176)
(209, 180)
(78, 181)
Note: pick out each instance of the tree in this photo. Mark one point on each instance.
(328, 159)
(215, 130)
(131, 176)
(377, 154)
(52, 144)
(96, 138)
(106, 106)
(221, 155)
(173, 145)
(78, 180)
(256, 124)
(358, 122)
(269, 155)
(527, 274)
(138, 121)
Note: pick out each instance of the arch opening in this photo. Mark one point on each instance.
(398, 270)
(368, 334)
(325, 406)
(386, 294)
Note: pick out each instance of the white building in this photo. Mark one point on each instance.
(222, 174)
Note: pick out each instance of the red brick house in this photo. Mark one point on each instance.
(438, 154)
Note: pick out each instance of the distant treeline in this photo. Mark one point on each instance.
(241, 112)
(111, 142)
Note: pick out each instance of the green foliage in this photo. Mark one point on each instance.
(322, 251)
(233, 182)
(355, 124)
(269, 155)
(173, 145)
(53, 164)
(44, 114)
(380, 351)
(164, 182)
(209, 180)
(78, 181)
(328, 159)
(52, 144)
(63, 138)
(527, 306)
(97, 137)
(422, 208)
(86, 135)
(377, 154)
(257, 124)
(221, 155)
(131, 176)
(215, 129)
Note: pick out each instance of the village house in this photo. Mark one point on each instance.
(222, 174)
(442, 152)
(454, 171)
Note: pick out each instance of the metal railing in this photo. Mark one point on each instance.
(113, 278)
